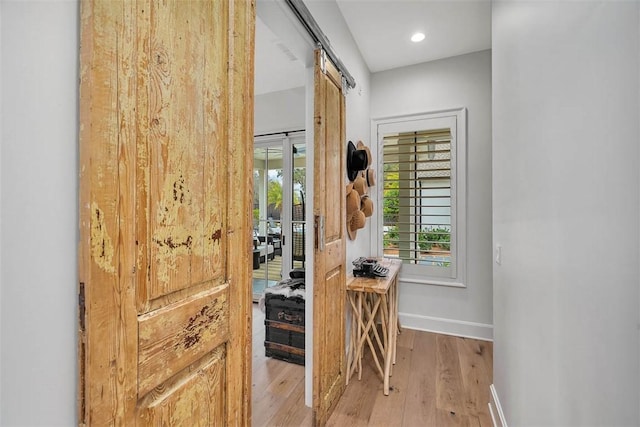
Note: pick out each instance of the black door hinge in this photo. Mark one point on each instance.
(81, 306)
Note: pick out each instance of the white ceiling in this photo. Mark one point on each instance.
(382, 31)
(276, 67)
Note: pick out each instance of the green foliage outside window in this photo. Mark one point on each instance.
(427, 238)
(274, 194)
(436, 236)
(390, 206)
(390, 237)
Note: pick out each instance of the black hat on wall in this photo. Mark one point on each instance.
(357, 160)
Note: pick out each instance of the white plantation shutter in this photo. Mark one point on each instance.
(418, 166)
(422, 188)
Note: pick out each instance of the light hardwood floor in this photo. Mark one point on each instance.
(438, 380)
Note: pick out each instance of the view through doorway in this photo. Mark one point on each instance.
(279, 230)
(279, 227)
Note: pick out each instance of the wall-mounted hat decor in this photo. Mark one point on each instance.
(361, 146)
(357, 222)
(371, 177)
(359, 204)
(366, 206)
(357, 160)
(360, 184)
(353, 202)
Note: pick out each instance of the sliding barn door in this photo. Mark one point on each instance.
(330, 240)
(166, 122)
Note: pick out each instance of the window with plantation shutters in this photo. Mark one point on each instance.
(422, 187)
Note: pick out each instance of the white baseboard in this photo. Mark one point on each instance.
(439, 325)
(497, 416)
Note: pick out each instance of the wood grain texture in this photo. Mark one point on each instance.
(175, 336)
(449, 390)
(476, 365)
(411, 401)
(387, 410)
(106, 255)
(288, 413)
(329, 288)
(239, 213)
(419, 378)
(166, 108)
(196, 398)
(186, 219)
(420, 403)
(355, 409)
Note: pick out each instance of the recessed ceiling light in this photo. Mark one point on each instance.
(417, 37)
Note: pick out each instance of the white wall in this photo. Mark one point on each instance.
(332, 23)
(277, 16)
(566, 208)
(39, 212)
(330, 20)
(461, 81)
(279, 111)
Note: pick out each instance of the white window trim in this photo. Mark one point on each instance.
(459, 271)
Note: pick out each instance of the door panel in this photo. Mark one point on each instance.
(190, 401)
(329, 263)
(184, 69)
(165, 122)
(173, 337)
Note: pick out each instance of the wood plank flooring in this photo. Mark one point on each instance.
(438, 380)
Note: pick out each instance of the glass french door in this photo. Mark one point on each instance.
(279, 200)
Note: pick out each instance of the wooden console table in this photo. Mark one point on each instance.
(374, 301)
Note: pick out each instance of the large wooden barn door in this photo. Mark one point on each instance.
(330, 240)
(166, 122)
